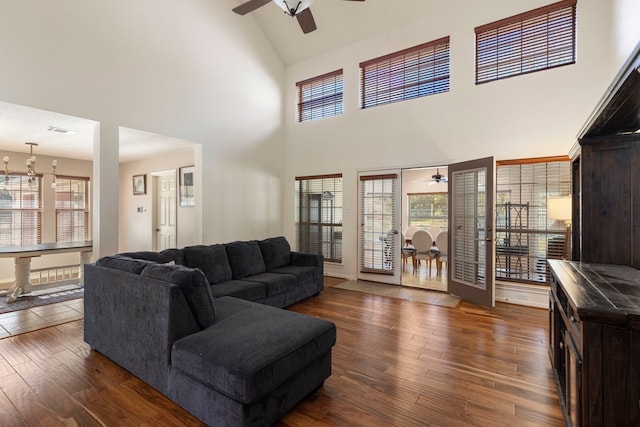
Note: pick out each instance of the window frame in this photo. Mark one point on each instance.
(528, 38)
(429, 219)
(330, 232)
(31, 233)
(398, 77)
(85, 211)
(321, 96)
(551, 232)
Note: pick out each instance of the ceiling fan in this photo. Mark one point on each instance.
(438, 177)
(298, 8)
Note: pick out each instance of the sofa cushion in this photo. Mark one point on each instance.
(250, 291)
(276, 252)
(124, 263)
(245, 259)
(275, 283)
(252, 348)
(304, 274)
(212, 260)
(163, 257)
(194, 287)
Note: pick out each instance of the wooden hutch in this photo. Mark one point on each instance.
(595, 300)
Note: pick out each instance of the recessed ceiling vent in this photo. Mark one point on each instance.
(56, 129)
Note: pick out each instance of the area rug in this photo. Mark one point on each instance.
(394, 291)
(43, 297)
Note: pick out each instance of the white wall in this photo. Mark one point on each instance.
(189, 69)
(526, 116)
(136, 228)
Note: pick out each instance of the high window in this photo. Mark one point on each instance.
(532, 41)
(428, 210)
(320, 96)
(20, 211)
(72, 209)
(411, 73)
(525, 235)
(319, 215)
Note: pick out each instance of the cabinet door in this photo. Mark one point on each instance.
(573, 381)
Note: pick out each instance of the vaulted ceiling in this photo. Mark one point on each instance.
(341, 23)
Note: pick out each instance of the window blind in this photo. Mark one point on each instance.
(532, 41)
(320, 96)
(319, 215)
(525, 237)
(20, 211)
(72, 209)
(411, 73)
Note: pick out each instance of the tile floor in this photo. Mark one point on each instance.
(22, 321)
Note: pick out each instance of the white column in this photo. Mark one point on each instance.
(105, 189)
(23, 270)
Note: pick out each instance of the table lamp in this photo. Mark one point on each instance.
(559, 208)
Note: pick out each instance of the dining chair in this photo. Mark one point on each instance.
(408, 233)
(422, 241)
(442, 242)
(408, 251)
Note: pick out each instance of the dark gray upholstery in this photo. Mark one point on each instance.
(276, 252)
(205, 344)
(212, 260)
(250, 291)
(245, 259)
(162, 257)
(128, 264)
(277, 345)
(194, 287)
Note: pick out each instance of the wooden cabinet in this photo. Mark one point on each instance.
(594, 343)
(594, 316)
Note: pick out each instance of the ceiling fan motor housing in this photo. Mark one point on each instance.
(300, 5)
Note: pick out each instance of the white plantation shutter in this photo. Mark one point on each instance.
(532, 41)
(411, 73)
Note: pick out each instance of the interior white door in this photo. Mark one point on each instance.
(165, 212)
(471, 269)
(379, 232)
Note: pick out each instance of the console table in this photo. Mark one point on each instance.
(594, 342)
(23, 255)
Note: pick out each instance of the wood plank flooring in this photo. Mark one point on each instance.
(396, 362)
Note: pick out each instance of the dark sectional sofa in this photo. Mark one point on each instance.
(204, 326)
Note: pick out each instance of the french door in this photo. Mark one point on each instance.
(471, 217)
(379, 232)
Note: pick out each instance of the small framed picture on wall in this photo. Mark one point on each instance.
(139, 184)
(186, 186)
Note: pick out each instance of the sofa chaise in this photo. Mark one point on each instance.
(204, 325)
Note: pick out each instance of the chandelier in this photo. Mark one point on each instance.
(31, 167)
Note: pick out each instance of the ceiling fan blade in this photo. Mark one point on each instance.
(249, 6)
(306, 21)
(353, 0)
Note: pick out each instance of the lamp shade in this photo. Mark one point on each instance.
(559, 208)
(291, 6)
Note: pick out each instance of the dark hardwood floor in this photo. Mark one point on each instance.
(396, 362)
